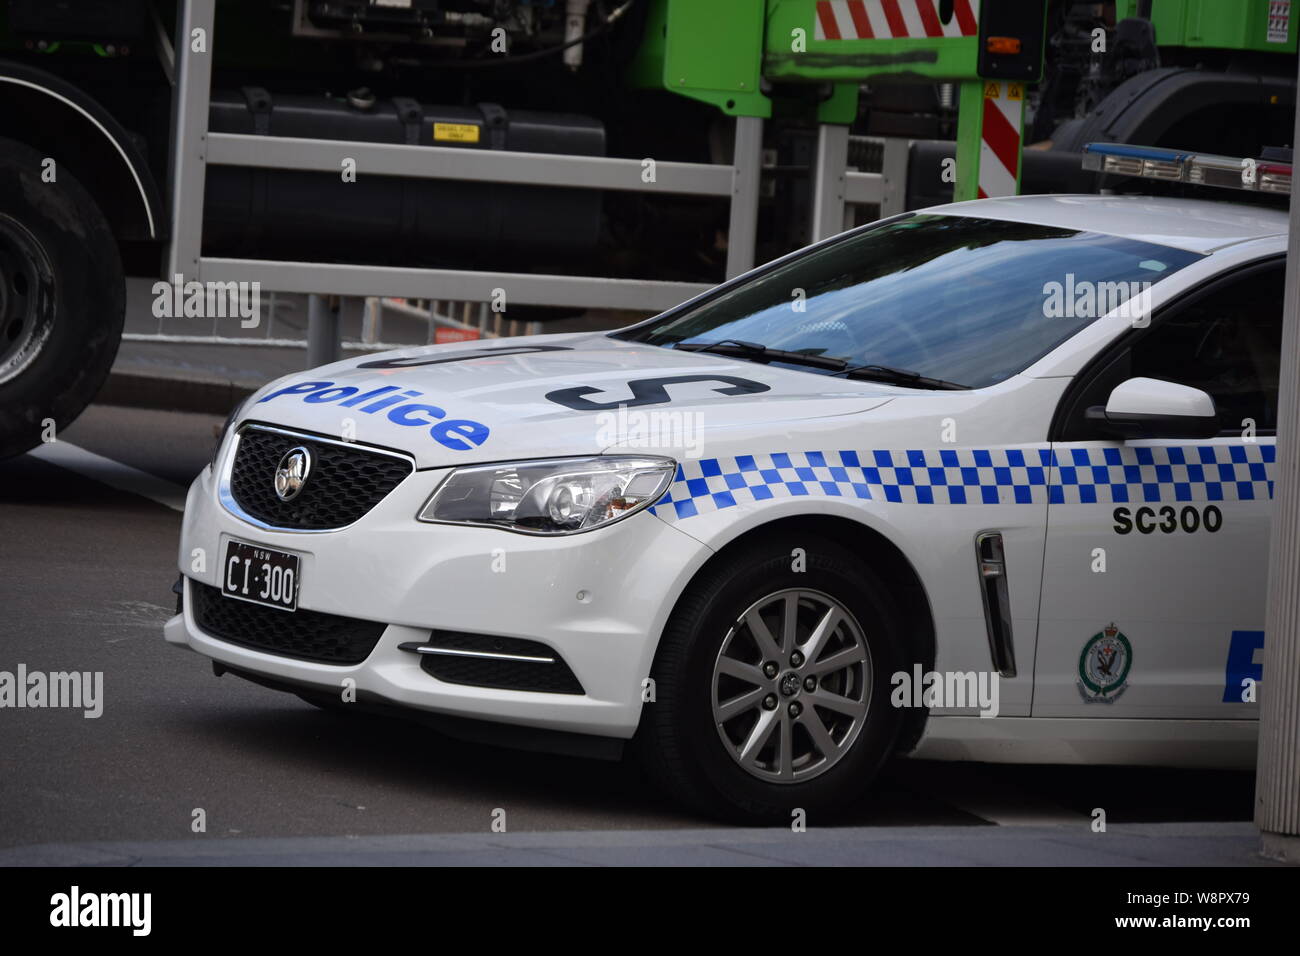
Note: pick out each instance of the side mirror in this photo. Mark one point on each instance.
(1151, 408)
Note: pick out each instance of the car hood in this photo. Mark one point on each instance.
(545, 396)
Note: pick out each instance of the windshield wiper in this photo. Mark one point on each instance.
(754, 351)
(898, 376)
(738, 348)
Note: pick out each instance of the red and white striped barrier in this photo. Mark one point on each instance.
(1000, 140)
(893, 19)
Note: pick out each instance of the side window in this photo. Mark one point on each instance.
(1228, 344)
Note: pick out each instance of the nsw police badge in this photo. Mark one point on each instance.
(1104, 665)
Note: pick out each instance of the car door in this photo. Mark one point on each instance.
(1155, 563)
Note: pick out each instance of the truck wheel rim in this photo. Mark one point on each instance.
(26, 298)
(791, 686)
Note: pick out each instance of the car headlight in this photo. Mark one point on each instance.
(550, 496)
(225, 430)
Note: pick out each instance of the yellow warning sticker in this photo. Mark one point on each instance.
(1015, 91)
(992, 90)
(456, 132)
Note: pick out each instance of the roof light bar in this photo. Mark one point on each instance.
(1274, 178)
(1202, 169)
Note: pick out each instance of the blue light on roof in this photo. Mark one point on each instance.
(1197, 169)
(1137, 152)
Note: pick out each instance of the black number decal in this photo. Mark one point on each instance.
(1190, 520)
(1169, 520)
(1213, 519)
(650, 391)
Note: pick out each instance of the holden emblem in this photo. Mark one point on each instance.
(292, 472)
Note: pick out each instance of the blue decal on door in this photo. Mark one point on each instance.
(1241, 664)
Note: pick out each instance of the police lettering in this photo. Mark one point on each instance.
(458, 434)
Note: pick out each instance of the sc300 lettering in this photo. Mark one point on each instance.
(1168, 519)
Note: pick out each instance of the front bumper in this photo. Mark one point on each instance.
(599, 599)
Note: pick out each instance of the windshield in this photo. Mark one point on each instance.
(954, 298)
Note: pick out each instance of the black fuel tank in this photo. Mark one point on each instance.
(316, 216)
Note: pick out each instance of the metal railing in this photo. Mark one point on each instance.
(194, 147)
(476, 321)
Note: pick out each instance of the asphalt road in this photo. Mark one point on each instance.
(85, 575)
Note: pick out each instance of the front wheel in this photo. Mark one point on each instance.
(772, 684)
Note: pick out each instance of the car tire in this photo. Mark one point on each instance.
(694, 736)
(62, 298)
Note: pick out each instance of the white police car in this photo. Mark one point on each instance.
(989, 481)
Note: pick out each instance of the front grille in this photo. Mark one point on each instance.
(302, 634)
(545, 678)
(345, 481)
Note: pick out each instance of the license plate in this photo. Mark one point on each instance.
(254, 572)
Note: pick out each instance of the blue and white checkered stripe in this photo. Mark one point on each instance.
(989, 476)
(1164, 473)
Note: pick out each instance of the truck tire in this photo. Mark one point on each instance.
(62, 298)
(715, 685)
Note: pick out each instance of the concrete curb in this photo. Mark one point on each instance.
(172, 393)
(1166, 844)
